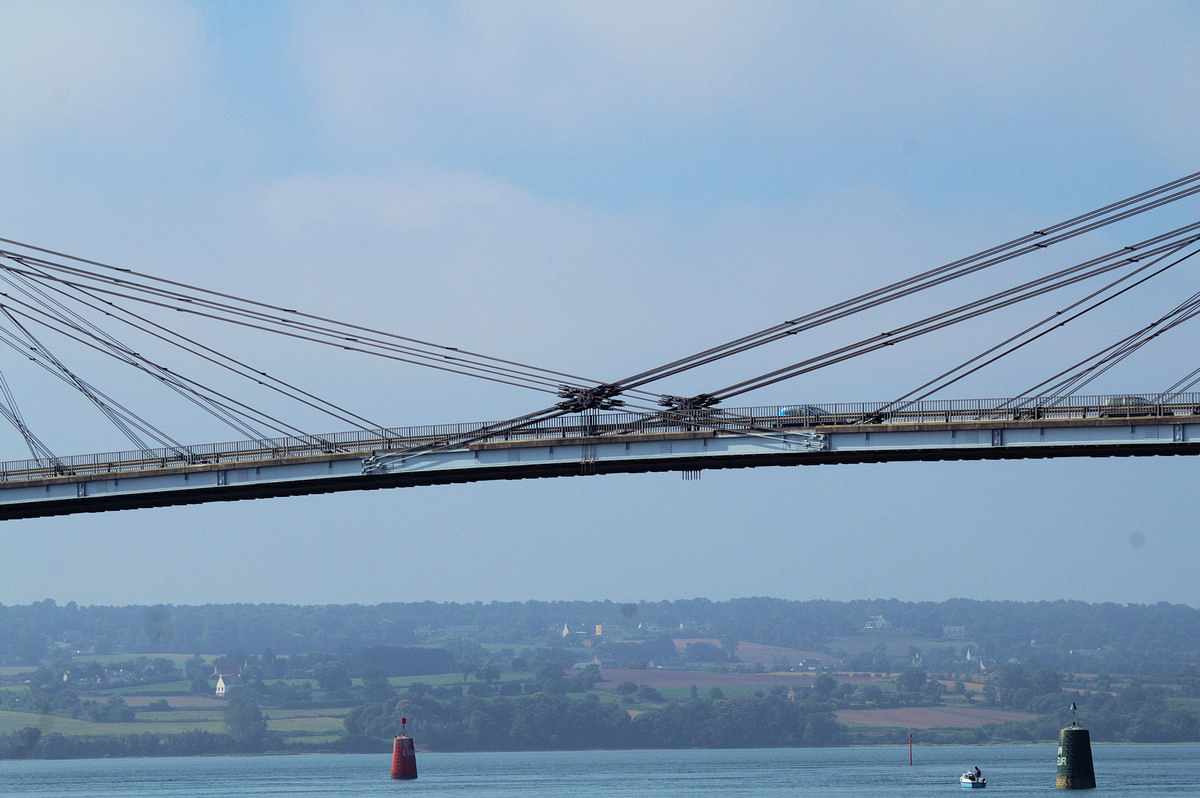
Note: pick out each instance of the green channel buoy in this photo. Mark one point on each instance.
(1075, 771)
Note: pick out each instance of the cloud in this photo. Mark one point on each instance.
(118, 72)
(546, 70)
(618, 75)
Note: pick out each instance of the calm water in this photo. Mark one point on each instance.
(1121, 772)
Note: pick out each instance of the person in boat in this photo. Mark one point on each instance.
(978, 774)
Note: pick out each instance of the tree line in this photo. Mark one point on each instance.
(547, 722)
(1065, 635)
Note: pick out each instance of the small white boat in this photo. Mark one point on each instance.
(969, 781)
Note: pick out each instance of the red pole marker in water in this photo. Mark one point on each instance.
(404, 757)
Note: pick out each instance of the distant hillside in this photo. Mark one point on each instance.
(860, 635)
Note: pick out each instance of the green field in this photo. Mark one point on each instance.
(310, 726)
(188, 712)
(164, 689)
(14, 721)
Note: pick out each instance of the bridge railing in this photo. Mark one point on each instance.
(747, 419)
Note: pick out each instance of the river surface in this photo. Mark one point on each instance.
(1122, 771)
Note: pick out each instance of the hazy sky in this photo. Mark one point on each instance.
(599, 188)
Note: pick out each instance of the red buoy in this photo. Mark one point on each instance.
(404, 756)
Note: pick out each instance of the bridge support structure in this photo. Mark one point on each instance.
(688, 451)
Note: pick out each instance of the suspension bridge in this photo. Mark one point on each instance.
(593, 427)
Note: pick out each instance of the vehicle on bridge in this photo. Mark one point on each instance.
(1126, 406)
(803, 415)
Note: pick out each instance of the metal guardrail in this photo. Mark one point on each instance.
(591, 423)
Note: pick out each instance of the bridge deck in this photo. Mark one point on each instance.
(600, 444)
(1089, 411)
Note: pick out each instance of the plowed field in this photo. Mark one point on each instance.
(929, 717)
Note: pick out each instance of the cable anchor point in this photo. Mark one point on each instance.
(576, 400)
(689, 404)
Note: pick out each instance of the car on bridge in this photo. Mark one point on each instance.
(1126, 406)
(802, 416)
